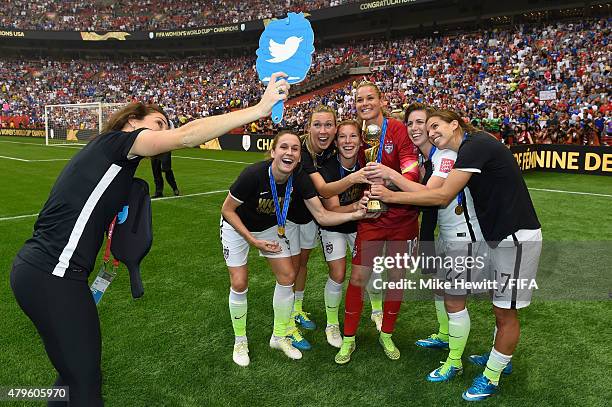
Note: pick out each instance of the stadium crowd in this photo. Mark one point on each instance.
(129, 15)
(494, 77)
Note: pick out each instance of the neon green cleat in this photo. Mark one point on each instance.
(388, 346)
(344, 354)
(377, 318)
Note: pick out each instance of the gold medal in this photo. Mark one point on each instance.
(281, 231)
(458, 210)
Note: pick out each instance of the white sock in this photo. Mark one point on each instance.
(496, 364)
(282, 302)
(458, 332)
(333, 297)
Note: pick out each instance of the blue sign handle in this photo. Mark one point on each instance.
(277, 112)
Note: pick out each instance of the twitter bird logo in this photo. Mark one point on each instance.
(285, 46)
(282, 52)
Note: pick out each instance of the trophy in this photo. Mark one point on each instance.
(372, 138)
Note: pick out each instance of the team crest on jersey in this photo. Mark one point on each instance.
(329, 247)
(225, 252)
(446, 165)
(388, 148)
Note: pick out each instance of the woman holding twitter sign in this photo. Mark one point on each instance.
(49, 275)
(255, 213)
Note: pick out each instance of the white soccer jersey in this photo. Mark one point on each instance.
(452, 226)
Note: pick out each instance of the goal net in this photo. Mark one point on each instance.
(76, 123)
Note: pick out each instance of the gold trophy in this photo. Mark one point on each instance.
(372, 138)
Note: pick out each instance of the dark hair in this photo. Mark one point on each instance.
(450, 115)
(278, 136)
(417, 106)
(134, 110)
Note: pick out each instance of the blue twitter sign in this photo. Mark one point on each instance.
(285, 45)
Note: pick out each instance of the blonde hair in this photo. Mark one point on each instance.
(306, 137)
(374, 86)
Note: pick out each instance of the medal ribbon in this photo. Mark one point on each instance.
(343, 172)
(381, 144)
(281, 217)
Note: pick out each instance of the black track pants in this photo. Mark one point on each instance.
(66, 318)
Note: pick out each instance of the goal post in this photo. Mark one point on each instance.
(76, 123)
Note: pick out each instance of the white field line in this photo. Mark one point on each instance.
(13, 158)
(570, 192)
(153, 200)
(225, 190)
(212, 159)
(79, 146)
(34, 161)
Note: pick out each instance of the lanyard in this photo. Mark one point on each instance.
(281, 217)
(343, 171)
(381, 144)
(461, 195)
(107, 251)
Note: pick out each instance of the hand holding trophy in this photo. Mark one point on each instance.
(372, 136)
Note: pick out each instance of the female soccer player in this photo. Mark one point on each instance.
(336, 239)
(49, 275)
(255, 213)
(459, 239)
(396, 230)
(317, 149)
(508, 221)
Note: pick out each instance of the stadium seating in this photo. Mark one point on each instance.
(129, 15)
(494, 77)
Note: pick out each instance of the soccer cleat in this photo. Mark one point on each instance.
(303, 320)
(444, 373)
(346, 350)
(297, 340)
(481, 389)
(388, 346)
(176, 192)
(433, 341)
(333, 336)
(157, 195)
(481, 360)
(377, 318)
(284, 344)
(241, 354)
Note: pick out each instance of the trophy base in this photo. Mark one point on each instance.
(376, 206)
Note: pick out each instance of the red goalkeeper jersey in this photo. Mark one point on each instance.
(400, 154)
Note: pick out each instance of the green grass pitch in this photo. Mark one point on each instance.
(173, 346)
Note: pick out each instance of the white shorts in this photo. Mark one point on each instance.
(463, 266)
(514, 265)
(302, 236)
(334, 244)
(236, 249)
